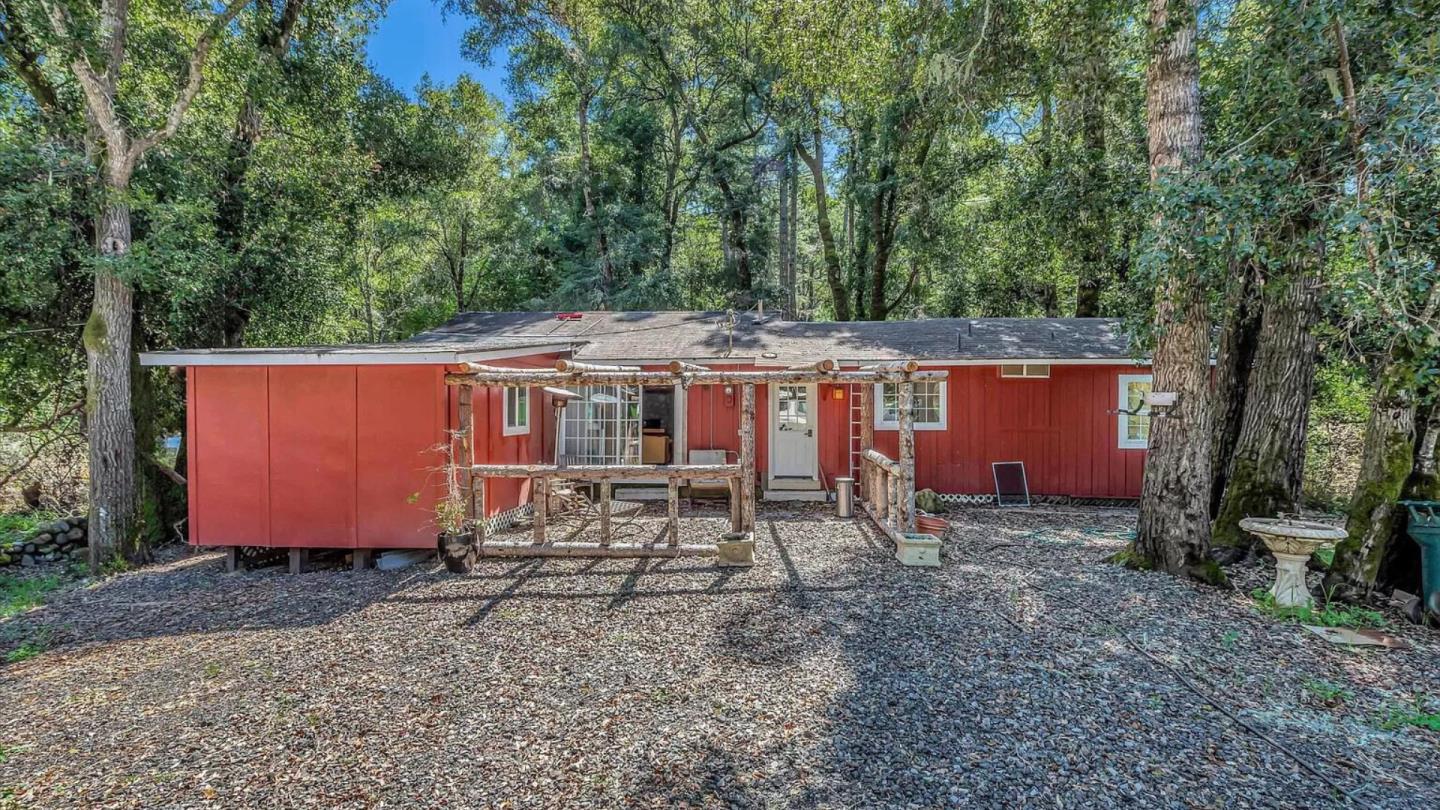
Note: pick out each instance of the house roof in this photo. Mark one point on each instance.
(709, 337)
(712, 336)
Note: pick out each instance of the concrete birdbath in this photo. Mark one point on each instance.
(1292, 541)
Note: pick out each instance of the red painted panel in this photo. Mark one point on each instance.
(228, 456)
(312, 456)
(399, 424)
(1064, 428)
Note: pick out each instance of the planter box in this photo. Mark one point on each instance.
(736, 550)
(918, 549)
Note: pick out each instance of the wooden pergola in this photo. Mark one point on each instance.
(888, 485)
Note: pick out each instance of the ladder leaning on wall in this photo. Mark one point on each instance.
(853, 394)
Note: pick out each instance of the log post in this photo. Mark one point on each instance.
(867, 434)
(735, 526)
(478, 496)
(462, 454)
(539, 496)
(605, 512)
(904, 404)
(672, 511)
(232, 559)
(747, 458)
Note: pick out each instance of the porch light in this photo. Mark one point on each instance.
(836, 392)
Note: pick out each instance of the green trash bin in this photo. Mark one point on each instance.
(1424, 529)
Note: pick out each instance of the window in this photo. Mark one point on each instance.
(791, 404)
(602, 425)
(517, 411)
(1025, 371)
(927, 406)
(1134, 411)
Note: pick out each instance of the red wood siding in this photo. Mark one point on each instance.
(1064, 428)
(315, 456)
(229, 457)
(395, 491)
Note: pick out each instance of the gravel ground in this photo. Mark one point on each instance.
(826, 676)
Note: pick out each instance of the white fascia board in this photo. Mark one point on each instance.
(1059, 361)
(361, 357)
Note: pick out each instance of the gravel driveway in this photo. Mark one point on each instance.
(826, 676)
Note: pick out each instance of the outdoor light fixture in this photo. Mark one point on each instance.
(836, 392)
(729, 396)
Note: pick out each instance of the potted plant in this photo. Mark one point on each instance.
(455, 540)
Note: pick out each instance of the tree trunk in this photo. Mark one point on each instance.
(1173, 531)
(1234, 360)
(838, 296)
(113, 495)
(1093, 222)
(602, 244)
(230, 209)
(782, 236)
(1269, 458)
(792, 250)
(1386, 463)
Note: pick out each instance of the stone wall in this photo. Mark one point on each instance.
(57, 540)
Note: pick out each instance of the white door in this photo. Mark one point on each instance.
(793, 434)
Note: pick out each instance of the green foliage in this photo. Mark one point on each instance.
(19, 594)
(1419, 715)
(1331, 614)
(1330, 694)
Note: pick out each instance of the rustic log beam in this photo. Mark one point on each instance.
(526, 378)
(601, 472)
(747, 458)
(881, 460)
(605, 512)
(576, 367)
(906, 366)
(680, 366)
(672, 511)
(579, 549)
(904, 405)
(482, 368)
(826, 366)
(539, 497)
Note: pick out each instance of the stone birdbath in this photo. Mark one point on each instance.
(1292, 541)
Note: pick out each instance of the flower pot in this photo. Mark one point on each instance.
(457, 551)
(931, 524)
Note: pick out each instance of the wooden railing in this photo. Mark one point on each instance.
(543, 477)
(882, 484)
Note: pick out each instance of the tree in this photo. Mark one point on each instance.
(1174, 526)
(117, 150)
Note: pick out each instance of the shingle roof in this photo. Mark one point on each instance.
(712, 336)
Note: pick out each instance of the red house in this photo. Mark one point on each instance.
(337, 447)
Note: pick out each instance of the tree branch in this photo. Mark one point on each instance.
(17, 49)
(195, 76)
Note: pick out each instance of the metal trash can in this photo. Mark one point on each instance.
(845, 497)
(1424, 529)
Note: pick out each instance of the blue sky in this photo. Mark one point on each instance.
(414, 39)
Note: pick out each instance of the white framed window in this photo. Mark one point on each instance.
(517, 411)
(1025, 371)
(1134, 411)
(927, 405)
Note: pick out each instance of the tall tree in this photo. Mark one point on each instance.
(95, 51)
(1174, 526)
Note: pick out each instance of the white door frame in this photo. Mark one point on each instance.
(812, 394)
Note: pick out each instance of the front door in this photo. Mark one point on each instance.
(793, 434)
